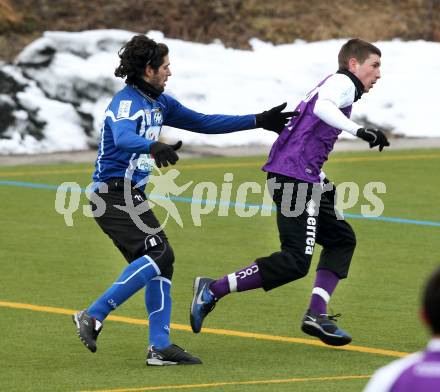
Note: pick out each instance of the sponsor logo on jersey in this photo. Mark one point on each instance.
(158, 117)
(124, 109)
(148, 117)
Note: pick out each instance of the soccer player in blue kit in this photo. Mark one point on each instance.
(128, 149)
(294, 174)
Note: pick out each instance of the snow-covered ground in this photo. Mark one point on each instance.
(58, 87)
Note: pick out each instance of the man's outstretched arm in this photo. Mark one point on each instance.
(179, 116)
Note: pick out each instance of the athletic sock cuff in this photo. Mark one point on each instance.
(322, 293)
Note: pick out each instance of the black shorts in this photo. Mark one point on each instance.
(299, 234)
(128, 232)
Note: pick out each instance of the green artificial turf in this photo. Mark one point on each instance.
(44, 262)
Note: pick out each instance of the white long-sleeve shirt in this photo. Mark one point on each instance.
(337, 92)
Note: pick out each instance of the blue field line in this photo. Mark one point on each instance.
(190, 200)
(29, 185)
(393, 220)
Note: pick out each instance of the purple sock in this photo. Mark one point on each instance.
(220, 287)
(248, 278)
(325, 283)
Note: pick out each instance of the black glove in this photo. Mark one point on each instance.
(164, 153)
(373, 136)
(274, 119)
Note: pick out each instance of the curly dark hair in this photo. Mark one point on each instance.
(136, 54)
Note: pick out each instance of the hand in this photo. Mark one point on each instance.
(164, 153)
(373, 136)
(274, 119)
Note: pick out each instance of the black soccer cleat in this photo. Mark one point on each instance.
(323, 326)
(202, 303)
(85, 329)
(171, 355)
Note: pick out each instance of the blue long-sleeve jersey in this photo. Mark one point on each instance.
(133, 121)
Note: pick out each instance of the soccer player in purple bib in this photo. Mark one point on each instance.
(419, 371)
(294, 175)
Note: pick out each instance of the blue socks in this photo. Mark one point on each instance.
(135, 276)
(158, 302)
(140, 273)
